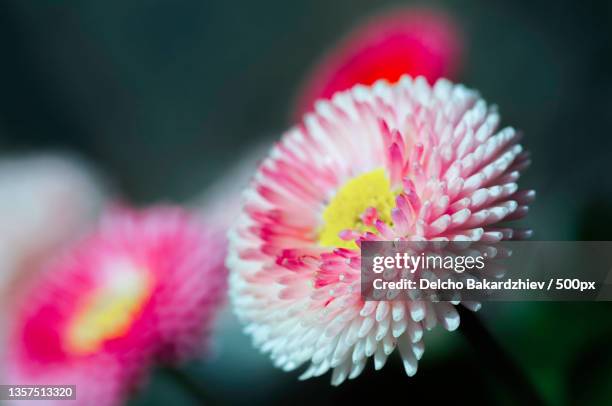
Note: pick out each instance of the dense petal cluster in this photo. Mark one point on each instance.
(144, 286)
(414, 41)
(407, 161)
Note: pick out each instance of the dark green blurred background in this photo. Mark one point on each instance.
(164, 96)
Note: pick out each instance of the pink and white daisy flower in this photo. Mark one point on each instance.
(413, 41)
(146, 285)
(407, 161)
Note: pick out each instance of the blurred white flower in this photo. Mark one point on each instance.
(46, 200)
(221, 202)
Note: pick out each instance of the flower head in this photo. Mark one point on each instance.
(413, 41)
(392, 162)
(144, 286)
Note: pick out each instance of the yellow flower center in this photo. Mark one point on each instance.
(108, 312)
(345, 210)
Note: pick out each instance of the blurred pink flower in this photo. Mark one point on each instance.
(46, 200)
(144, 286)
(391, 162)
(413, 41)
